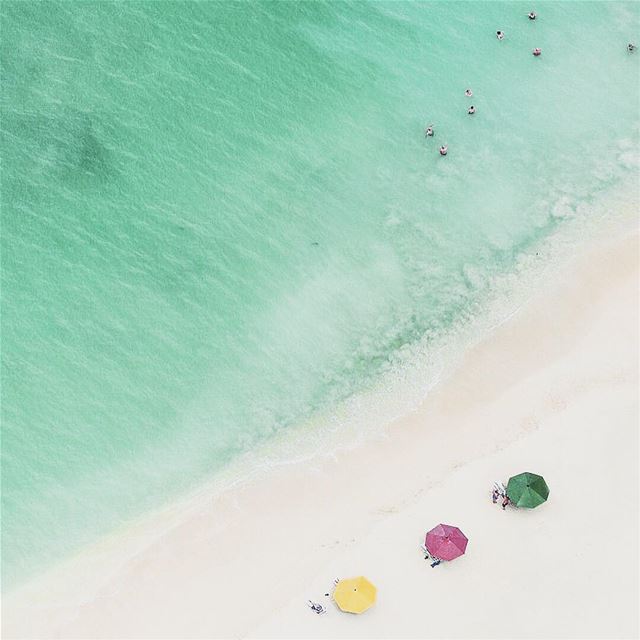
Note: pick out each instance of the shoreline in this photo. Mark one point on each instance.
(367, 415)
(334, 506)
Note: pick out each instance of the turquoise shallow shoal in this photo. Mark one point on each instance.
(219, 219)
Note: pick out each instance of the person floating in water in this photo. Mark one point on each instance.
(500, 35)
(537, 51)
(532, 15)
(428, 132)
(631, 47)
(468, 93)
(443, 150)
(471, 110)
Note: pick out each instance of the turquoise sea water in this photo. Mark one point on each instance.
(220, 219)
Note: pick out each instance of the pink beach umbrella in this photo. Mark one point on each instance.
(446, 542)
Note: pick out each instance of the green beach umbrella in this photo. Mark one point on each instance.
(527, 490)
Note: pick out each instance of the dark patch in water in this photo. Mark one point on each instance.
(69, 148)
(93, 157)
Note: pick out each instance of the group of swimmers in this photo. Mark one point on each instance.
(537, 51)
(532, 15)
(428, 132)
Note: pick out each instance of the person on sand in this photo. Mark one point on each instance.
(316, 606)
(505, 502)
(500, 35)
(495, 495)
(537, 51)
(443, 150)
(436, 562)
(532, 15)
(471, 110)
(468, 93)
(428, 132)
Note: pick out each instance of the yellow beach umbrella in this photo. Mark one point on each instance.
(354, 595)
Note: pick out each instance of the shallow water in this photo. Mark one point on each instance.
(221, 219)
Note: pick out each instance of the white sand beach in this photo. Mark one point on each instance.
(554, 390)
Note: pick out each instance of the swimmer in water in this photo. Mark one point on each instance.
(532, 15)
(631, 47)
(443, 150)
(537, 51)
(428, 132)
(500, 35)
(468, 93)
(471, 110)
